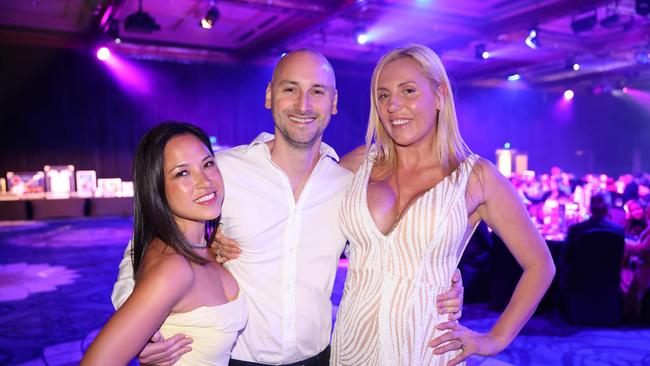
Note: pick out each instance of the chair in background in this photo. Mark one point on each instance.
(592, 295)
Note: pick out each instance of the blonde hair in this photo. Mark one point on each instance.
(450, 149)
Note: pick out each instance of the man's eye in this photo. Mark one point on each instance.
(288, 90)
(409, 90)
(318, 91)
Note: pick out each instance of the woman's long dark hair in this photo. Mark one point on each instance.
(152, 216)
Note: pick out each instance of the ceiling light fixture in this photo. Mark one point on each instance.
(360, 35)
(584, 23)
(211, 17)
(514, 77)
(141, 22)
(480, 52)
(532, 41)
(113, 30)
(642, 7)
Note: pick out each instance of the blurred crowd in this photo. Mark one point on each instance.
(560, 204)
(557, 200)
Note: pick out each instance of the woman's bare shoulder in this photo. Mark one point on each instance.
(162, 264)
(352, 160)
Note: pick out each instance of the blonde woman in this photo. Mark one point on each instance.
(416, 198)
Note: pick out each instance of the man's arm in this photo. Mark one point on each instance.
(124, 286)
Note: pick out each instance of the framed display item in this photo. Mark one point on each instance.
(108, 187)
(20, 183)
(127, 189)
(86, 182)
(59, 178)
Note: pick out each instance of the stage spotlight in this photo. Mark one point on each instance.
(103, 53)
(480, 52)
(360, 35)
(571, 64)
(625, 89)
(568, 94)
(514, 77)
(584, 23)
(113, 30)
(610, 21)
(643, 57)
(532, 41)
(210, 18)
(642, 7)
(141, 22)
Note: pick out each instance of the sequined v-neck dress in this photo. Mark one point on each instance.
(388, 310)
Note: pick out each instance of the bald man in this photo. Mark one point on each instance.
(281, 206)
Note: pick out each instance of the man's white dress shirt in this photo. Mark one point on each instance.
(290, 251)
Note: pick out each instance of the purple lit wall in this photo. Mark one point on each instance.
(63, 106)
(590, 133)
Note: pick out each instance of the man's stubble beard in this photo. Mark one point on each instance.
(292, 141)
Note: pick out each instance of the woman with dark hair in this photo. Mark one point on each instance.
(179, 287)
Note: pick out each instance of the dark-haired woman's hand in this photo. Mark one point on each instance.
(223, 248)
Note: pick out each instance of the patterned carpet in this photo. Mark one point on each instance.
(56, 278)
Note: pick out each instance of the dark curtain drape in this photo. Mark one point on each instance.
(60, 106)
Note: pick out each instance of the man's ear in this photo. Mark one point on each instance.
(334, 102)
(268, 97)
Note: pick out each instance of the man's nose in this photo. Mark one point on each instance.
(304, 102)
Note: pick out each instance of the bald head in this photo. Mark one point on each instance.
(302, 97)
(306, 58)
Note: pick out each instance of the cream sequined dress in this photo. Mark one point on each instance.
(388, 310)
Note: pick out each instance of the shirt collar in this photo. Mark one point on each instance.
(264, 137)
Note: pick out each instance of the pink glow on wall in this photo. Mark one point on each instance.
(131, 77)
(638, 96)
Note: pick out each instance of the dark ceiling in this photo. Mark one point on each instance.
(608, 39)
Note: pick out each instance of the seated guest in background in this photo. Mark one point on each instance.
(635, 221)
(598, 220)
(630, 188)
(590, 278)
(179, 286)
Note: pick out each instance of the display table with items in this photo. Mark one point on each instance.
(55, 193)
(44, 206)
